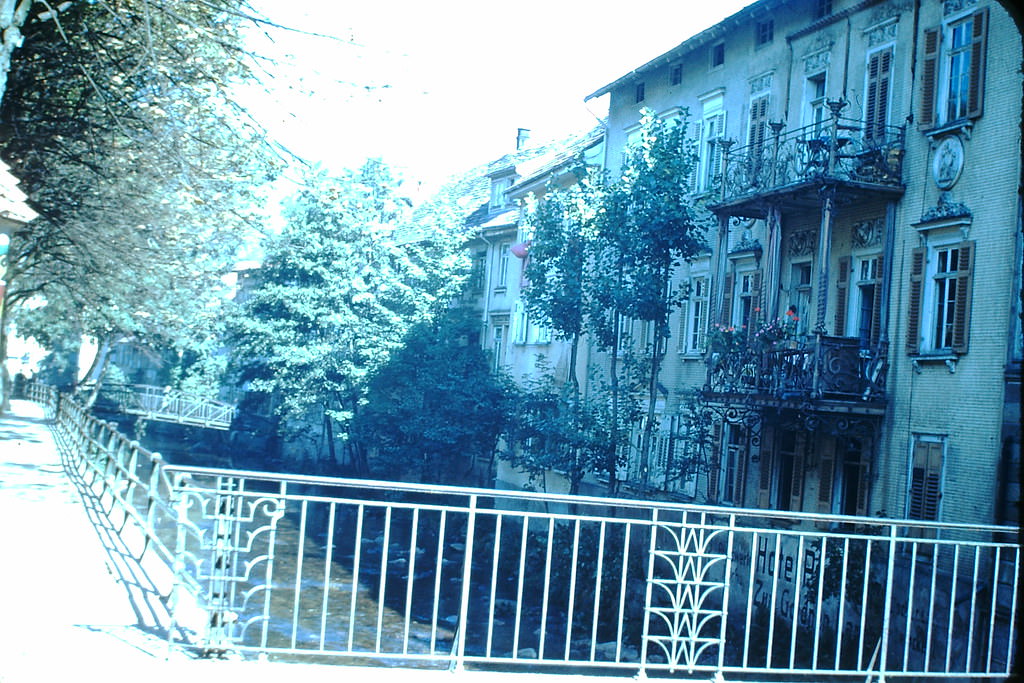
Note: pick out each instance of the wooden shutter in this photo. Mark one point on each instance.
(925, 481)
(796, 490)
(715, 462)
(758, 121)
(929, 77)
(755, 304)
(702, 339)
(684, 323)
(842, 295)
(826, 473)
(976, 87)
(914, 305)
(962, 312)
(726, 318)
(879, 77)
(740, 474)
(764, 486)
(876, 303)
(863, 484)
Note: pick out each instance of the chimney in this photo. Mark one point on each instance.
(522, 137)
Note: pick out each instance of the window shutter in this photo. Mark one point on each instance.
(914, 305)
(702, 338)
(756, 307)
(826, 474)
(764, 485)
(976, 87)
(876, 304)
(962, 312)
(715, 162)
(842, 295)
(694, 180)
(863, 485)
(715, 464)
(925, 481)
(740, 476)
(879, 75)
(796, 498)
(929, 77)
(684, 324)
(726, 318)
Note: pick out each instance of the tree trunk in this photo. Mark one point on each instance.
(99, 367)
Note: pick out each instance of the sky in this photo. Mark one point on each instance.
(438, 87)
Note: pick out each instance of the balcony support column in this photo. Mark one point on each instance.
(772, 264)
(822, 266)
(719, 267)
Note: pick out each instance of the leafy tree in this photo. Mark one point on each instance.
(119, 120)
(338, 295)
(552, 430)
(434, 411)
(604, 254)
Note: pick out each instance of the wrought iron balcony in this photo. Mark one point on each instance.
(841, 150)
(831, 368)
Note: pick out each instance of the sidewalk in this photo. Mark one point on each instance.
(76, 605)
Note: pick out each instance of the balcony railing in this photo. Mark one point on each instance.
(842, 149)
(822, 368)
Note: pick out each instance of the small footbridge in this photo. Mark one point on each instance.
(162, 404)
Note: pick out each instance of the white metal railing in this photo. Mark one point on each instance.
(169, 405)
(372, 571)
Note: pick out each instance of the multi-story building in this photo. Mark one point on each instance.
(853, 331)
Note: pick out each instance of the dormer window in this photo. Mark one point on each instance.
(499, 188)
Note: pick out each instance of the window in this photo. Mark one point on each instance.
(939, 312)
(498, 345)
(741, 307)
(925, 494)
(816, 113)
(676, 77)
(476, 273)
(764, 33)
(859, 299)
(953, 70)
(499, 186)
(843, 475)
(694, 317)
(734, 464)
(717, 55)
(822, 8)
(781, 473)
(712, 132)
(800, 294)
(525, 330)
(640, 94)
(503, 262)
(876, 110)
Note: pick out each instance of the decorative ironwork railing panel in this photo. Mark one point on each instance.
(823, 367)
(374, 572)
(843, 149)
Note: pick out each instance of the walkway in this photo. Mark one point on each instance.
(76, 605)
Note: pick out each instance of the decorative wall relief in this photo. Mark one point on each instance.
(883, 33)
(868, 233)
(817, 62)
(802, 243)
(761, 83)
(948, 162)
(955, 6)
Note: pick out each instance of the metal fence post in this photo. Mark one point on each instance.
(467, 569)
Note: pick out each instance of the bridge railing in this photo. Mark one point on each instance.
(168, 405)
(375, 572)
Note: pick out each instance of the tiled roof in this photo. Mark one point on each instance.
(467, 195)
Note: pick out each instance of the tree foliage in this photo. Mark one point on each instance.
(604, 252)
(119, 120)
(337, 295)
(435, 410)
